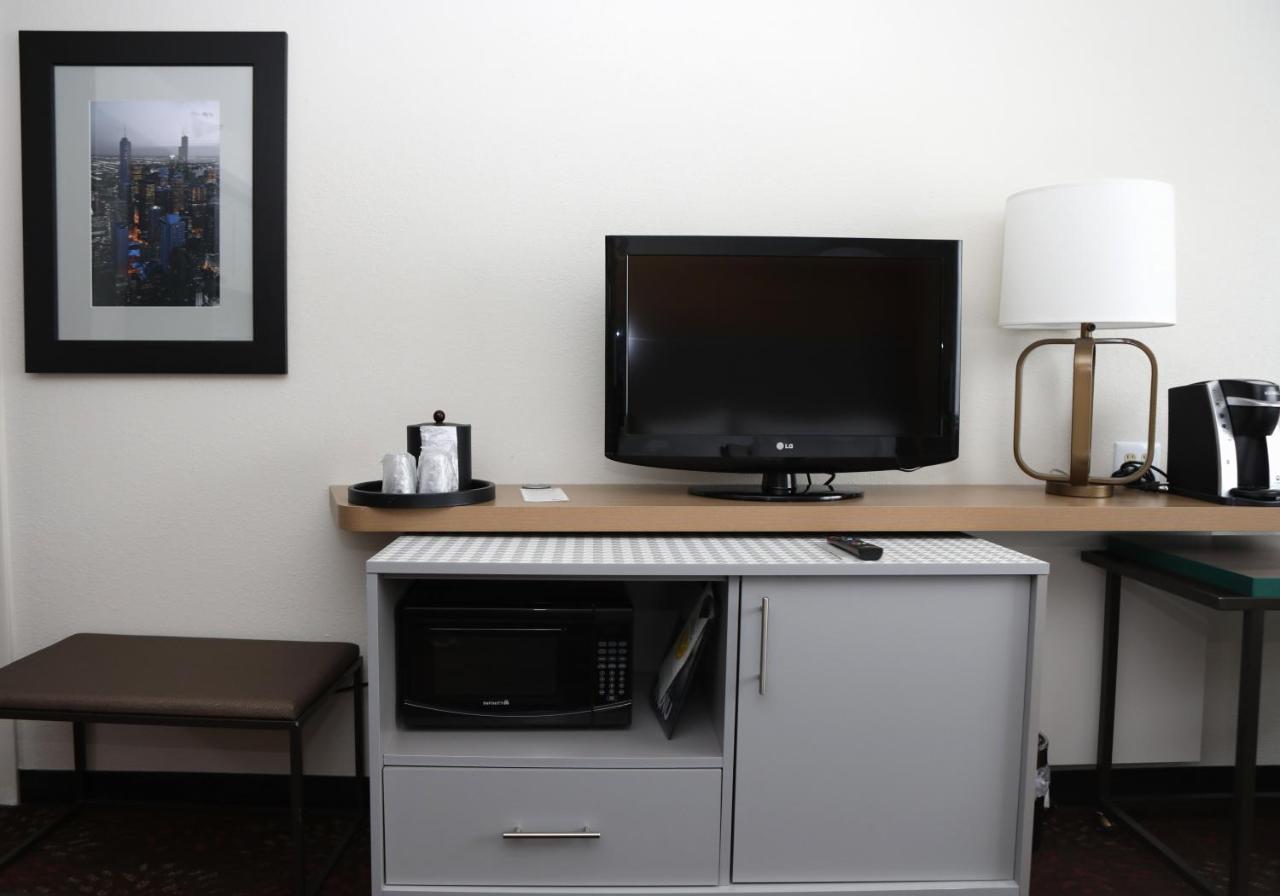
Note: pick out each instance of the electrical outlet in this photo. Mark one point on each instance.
(1133, 450)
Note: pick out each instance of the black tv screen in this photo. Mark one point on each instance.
(757, 354)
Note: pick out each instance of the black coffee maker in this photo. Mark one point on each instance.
(1223, 444)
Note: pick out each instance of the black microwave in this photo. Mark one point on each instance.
(474, 654)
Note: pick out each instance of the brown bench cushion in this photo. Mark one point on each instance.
(150, 675)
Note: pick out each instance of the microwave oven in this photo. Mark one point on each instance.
(473, 654)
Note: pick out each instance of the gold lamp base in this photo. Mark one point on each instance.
(1078, 483)
(1088, 490)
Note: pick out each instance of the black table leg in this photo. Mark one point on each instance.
(295, 808)
(1246, 749)
(1107, 698)
(78, 759)
(357, 703)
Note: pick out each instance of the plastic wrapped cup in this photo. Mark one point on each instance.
(399, 474)
(438, 460)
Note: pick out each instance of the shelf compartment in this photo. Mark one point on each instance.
(643, 745)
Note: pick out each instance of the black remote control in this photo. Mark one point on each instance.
(863, 550)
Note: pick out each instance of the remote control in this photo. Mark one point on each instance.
(863, 550)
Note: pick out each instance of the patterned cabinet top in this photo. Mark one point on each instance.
(692, 555)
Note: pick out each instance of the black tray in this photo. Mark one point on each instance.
(369, 494)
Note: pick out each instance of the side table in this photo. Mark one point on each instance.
(1223, 573)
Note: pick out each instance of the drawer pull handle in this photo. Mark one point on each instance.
(517, 834)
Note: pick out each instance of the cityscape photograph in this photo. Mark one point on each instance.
(154, 181)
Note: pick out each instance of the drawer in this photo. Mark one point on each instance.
(655, 826)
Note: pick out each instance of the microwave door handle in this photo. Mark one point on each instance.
(517, 834)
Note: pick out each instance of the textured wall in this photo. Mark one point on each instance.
(453, 168)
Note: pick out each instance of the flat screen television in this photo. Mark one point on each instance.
(782, 355)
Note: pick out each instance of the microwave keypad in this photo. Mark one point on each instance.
(611, 671)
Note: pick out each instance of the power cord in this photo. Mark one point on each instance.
(1147, 482)
(831, 477)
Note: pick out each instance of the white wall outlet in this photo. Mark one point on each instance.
(1133, 450)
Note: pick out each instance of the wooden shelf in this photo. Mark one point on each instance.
(643, 745)
(885, 508)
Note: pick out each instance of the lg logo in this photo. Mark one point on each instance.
(786, 446)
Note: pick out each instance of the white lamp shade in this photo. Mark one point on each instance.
(1100, 252)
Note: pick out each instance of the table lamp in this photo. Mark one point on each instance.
(1088, 255)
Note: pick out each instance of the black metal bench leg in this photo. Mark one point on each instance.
(1246, 749)
(308, 885)
(79, 765)
(78, 759)
(1107, 697)
(295, 807)
(357, 703)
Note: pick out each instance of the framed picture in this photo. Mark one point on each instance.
(153, 179)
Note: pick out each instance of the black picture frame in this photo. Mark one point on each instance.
(41, 53)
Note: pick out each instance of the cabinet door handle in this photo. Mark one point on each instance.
(518, 834)
(764, 642)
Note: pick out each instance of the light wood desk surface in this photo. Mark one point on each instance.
(884, 508)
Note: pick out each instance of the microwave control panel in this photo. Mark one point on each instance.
(612, 665)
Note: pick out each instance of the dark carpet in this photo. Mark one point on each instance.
(106, 850)
(219, 851)
(1076, 857)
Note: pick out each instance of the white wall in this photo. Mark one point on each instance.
(453, 168)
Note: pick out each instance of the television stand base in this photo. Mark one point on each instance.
(775, 487)
(746, 493)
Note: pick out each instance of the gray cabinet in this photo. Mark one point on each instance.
(886, 741)
(876, 742)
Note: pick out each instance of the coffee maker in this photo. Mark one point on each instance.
(1223, 443)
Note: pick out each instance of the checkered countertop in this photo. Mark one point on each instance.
(694, 555)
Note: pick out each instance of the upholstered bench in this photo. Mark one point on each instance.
(209, 682)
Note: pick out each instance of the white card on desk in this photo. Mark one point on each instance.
(543, 495)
